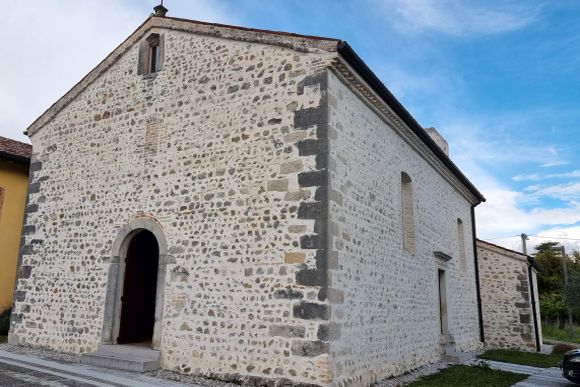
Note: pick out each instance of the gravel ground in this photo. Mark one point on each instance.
(41, 352)
(189, 379)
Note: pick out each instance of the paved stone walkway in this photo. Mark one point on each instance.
(21, 370)
(539, 377)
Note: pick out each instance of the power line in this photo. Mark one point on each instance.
(504, 237)
(545, 237)
(534, 236)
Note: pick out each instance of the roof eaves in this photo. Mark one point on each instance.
(247, 29)
(534, 263)
(166, 22)
(15, 158)
(367, 74)
(502, 248)
(54, 106)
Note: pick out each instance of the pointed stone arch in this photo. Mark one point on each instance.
(115, 279)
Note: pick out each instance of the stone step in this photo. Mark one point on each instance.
(124, 357)
(130, 350)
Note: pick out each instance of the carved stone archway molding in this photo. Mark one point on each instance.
(116, 276)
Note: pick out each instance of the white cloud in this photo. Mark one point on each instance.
(509, 211)
(454, 17)
(502, 214)
(569, 237)
(53, 44)
(566, 192)
(531, 176)
(554, 164)
(537, 176)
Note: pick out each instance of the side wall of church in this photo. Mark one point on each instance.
(386, 320)
(506, 299)
(216, 148)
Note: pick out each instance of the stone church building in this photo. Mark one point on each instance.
(248, 205)
(510, 301)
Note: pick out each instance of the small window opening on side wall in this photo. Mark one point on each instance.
(407, 213)
(461, 243)
(151, 54)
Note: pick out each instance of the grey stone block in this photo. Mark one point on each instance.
(312, 277)
(288, 294)
(287, 330)
(312, 147)
(313, 210)
(313, 178)
(309, 348)
(311, 311)
(313, 242)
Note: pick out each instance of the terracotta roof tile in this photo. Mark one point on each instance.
(14, 149)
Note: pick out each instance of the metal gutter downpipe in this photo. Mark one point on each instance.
(477, 286)
(534, 314)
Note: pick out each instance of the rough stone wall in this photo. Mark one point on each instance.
(387, 315)
(506, 299)
(220, 149)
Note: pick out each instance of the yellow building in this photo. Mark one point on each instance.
(14, 162)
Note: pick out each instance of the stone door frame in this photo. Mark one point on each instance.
(116, 277)
(442, 266)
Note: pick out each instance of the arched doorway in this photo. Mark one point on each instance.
(139, 290)
(126, 252)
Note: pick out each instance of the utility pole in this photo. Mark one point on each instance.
(565, 270)
(524, 247)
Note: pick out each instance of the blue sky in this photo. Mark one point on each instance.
(499, 79)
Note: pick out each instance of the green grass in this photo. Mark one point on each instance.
(526, 358)
(552, 333)
(469, 376)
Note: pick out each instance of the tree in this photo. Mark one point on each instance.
(546, 246)
(552, 306)
(560, 277)
(550, 279)
(572, 291)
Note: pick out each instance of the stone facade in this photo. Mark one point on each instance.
(507, 298)
(270, 178)
(388, 306)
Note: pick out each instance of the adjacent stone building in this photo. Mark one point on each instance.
(255, 204)
(14, 161)
(509, 294)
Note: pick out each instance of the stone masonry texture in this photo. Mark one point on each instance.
(276, 185)
(389, 318)
(506, 298)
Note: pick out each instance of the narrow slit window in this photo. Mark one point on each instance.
(461, 244)
(151, 54)
(407, 213)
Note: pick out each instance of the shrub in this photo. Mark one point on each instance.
(5, 321)
(562, 348)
